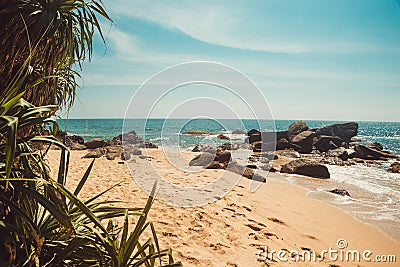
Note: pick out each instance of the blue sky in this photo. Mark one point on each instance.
(327, 60)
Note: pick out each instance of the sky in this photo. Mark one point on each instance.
(315, 60)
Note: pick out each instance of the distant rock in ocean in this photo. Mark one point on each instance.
(223, 137)
(340, 192)
(195, 132)
(238, 131)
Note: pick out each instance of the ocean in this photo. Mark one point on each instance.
(375, 192)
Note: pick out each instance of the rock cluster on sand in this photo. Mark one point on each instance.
(395, 167)
(123, 146)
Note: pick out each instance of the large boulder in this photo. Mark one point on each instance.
(296, 128)
(253, 131)
(204, 159)
(345, 131)
(305, 141)
(75, 142)
(324, 143)
(95, 153)
(95, 143)
(307, 168)
(127, 138)
(283, 144)
(263, 147)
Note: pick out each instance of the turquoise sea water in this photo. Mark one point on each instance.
(157, 130)
(375, 192)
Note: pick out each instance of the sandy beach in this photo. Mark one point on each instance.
(236, 230)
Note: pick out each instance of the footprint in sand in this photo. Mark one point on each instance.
(275, 220)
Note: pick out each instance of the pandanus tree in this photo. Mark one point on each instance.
(57, 36)
(43, 44)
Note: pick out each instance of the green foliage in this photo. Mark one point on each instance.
(55, 35)
(42, 223)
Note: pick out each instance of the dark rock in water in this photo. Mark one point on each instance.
(296, 128)
(345, 131)
(376, 146)
(253, 131)
(340, 192)
(307, 168)
(364, 152)
(394, 167)
(150, 145)
(223, 137)
(95, 143)
(340, 152)
(238, 131)
(283, 144)
(245, 172)
(324, 143)
(195, 132)
(305, 141)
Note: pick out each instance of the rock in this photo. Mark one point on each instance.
(245, 172)
(324, 143)
(223, 157)
(125, 156)
(307, 168)
(282, 135)
(223, 137)
(252, 166)
(283, 144)
(344, 131)
(253, 131)
(288, 153)
(229, 146)
(340, 152)
(394, 167)
(195, 132)
(340, 192)
(150, 145)
(364, 152)
(355, 140)
(255, 138)
(305, 141)
(77, 146)
(216, 165)
(238, 131)
(376, 146)
(203, 159)
(95, 153)
(112, 156)
(263, 147)
(204, 148)
(268, 155)
(296, 128)
(126, 138)
(95, 143)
